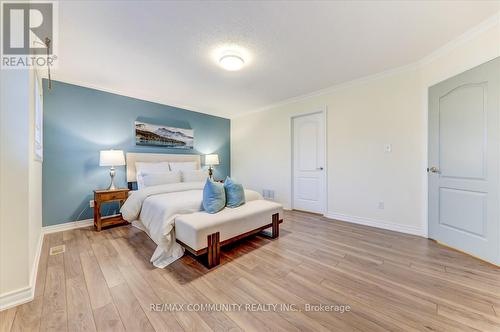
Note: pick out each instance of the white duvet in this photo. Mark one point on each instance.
(154, 209)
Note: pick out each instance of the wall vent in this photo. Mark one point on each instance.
(57, 250)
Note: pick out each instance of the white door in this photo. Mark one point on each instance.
(464, 161)
(309, 171)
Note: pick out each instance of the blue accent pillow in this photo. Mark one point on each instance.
(235, 195)
(214, 196)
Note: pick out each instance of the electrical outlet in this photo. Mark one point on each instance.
(91, 203)
(381, 205)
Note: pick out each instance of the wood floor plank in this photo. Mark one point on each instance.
(480, 322)
(284, 294)
(55, 239)
(416, 248)
(397, 309)
(217, 295)
(272, 320)
(488, 287)
(131, 313)
(150, 288)
(96, 284)
(54, 308)
(7, 319)
(72, 264)
(392, 281)
(55, 316)
(419, 286)
(28, 316)
(190, 321)
(107, 318)
(216, 320)
(80, 316)
(137, 278)
(107, 264)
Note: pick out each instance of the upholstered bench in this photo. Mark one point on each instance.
(201, 232)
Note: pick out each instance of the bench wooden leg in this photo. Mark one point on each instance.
(213, 250)
(276, 226)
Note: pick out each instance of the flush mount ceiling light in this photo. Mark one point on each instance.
(231, 61)
(231, 56)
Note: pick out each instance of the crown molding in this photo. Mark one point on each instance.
(468, 35)
(485, 25)
(134, 95)
(489, 23)
(333, 88)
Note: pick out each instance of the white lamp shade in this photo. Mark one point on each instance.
(212, 159)
(111, 158)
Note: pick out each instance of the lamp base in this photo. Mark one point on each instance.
(112, 175)
(210, 173)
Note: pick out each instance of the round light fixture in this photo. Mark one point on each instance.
(231, 62)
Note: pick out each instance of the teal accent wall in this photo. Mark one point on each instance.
(79, 122)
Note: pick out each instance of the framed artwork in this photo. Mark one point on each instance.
(170, 137)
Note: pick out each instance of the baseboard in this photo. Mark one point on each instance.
(17, 297)
(67, 226)
(377, 223)
(36, 260)
(25, 294)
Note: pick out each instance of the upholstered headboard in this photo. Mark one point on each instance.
(132, 158)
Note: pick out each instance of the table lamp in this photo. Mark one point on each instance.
(211, 160)
(111, 158)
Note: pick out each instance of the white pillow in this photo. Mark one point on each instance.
(194, 176)
(183, 166)
(145, 167)
(155, 179)
(158, 167)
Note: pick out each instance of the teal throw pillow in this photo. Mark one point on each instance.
(214, 197)
(235, 194)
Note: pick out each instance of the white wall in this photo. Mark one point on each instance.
(363, 115)
(35, 184)
(20, 188)
(14, 132)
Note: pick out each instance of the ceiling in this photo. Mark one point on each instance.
(163, 51)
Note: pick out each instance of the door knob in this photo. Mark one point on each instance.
(319, 168)
(433, 169)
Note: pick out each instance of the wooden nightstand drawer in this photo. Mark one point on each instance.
(111, 196)
(103, 196)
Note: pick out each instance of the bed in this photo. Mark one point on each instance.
(155, 210)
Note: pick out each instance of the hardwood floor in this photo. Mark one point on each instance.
(391, 281)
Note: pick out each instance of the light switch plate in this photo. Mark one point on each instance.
(388, 148)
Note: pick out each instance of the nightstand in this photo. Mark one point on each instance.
(103, 196)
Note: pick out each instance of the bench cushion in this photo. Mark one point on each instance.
(192, 229)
